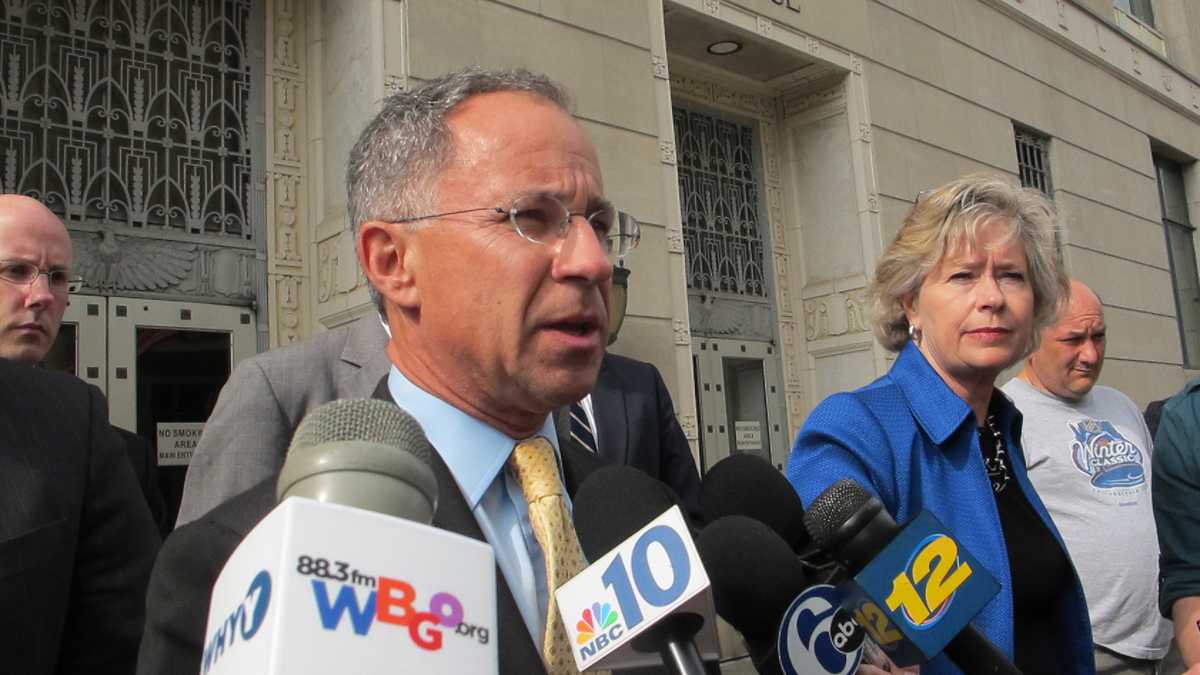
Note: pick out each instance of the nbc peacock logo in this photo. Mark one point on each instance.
(599, 627)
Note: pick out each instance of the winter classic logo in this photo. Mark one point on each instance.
(1100, 451)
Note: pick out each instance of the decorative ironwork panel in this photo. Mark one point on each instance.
(720, 201)
(1033, 160)
(130, 113)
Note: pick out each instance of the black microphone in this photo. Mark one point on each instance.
(850, 524)
(612, 504)
(748, 485)
(755, 575)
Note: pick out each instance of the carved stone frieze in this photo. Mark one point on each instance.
(110, 262)
(286, 205)
(337, 267)
(857, 311)
(836, 314)
(783, 286)
(658, 64)
(286, 93)
(856, 65)
(286, 169)
(816, 320)
(712, 7)
(729, 317)
(766, 129)
(691, 430)
(288, 294)
(115, 263)
(285, 29)
(795, 408)
(763, 25)
(711, 92)
(394, 84)
(793, 374)
(666, 152)
(675, 239)
(864, 132)
(683, 336)
(775, 216)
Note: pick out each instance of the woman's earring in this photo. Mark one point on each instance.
(914, 334)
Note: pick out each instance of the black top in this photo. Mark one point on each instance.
(1038, 567)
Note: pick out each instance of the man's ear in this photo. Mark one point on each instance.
(387, 256)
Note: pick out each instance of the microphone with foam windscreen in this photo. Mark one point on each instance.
(345, 574)
(917, 585)
(631, 527)
(790, 624)
(748, 485)
(364, 453)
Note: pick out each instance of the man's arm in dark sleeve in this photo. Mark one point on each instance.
(179, 594)
(1176, 496)
(118, 540)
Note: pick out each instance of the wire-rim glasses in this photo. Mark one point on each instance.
(25, 273)
(543, 219)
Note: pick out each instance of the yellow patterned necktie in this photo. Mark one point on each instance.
(534, 464)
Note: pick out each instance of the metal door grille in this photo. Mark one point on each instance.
(129, 112)
(719, 196)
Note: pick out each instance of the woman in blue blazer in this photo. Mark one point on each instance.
(961, 294)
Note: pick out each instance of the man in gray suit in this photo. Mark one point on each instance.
(264, 400)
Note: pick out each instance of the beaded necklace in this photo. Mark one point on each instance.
(995, 459)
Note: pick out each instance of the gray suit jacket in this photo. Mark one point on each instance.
(266, 397)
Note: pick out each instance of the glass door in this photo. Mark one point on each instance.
(160, 363)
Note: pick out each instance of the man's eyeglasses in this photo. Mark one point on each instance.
(543, 219)
(22, 273)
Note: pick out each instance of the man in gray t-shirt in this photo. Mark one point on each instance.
(1088, 453)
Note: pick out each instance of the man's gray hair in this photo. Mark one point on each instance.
(393, 167)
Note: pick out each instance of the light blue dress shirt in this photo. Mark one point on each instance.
(477, 456)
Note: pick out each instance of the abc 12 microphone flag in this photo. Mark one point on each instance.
(919, 592)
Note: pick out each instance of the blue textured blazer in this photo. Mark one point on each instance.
(910, 439)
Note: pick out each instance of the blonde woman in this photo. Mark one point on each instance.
(961, 294)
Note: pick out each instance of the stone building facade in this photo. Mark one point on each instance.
(770, 148)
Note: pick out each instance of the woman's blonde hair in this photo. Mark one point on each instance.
(950, 215)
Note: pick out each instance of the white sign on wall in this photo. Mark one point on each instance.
(177, 441)
(747, 435)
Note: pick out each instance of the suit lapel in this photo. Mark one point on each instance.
(514, 645)
(608, 407)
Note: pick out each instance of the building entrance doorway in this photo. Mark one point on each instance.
(160, 364)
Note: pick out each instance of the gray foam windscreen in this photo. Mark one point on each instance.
(832, 508)
(362, 419)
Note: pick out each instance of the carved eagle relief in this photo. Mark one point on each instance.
(107, 261)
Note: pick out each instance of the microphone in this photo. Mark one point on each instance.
(851, 525)
(747, 485)
(632, 528)
(345, 574)
(762, 589)
(364, 453)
